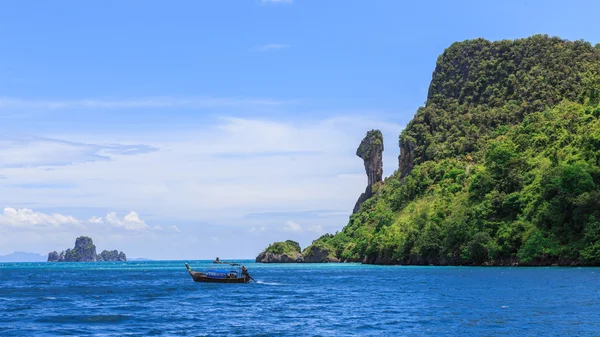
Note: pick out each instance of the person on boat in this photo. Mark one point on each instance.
(245, 271)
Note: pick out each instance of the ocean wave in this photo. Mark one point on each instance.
(270, 283)
(84, 319)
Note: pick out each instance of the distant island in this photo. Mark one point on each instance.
(22, 257)
(85, 251)
(499, 167)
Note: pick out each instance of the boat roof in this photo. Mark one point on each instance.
(221, 271)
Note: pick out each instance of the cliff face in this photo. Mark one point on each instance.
(370, 151)
(406, 160)
(85, 251)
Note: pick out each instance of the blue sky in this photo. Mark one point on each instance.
(196, 129)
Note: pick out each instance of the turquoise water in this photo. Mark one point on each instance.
(159, 298)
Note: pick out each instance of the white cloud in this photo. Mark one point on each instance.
(270, 47)
(315, 228)
(255, 229)
(291, 226)
(96, 220)
(130, 222)
(28, 219)
(175, 229)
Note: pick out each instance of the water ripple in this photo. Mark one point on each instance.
(158, 298)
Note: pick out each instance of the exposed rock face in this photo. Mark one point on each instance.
(406, 160)
(113, 255)
(268, 257)
(85, 251)
(289, 252)
(316, 254)
(281, 252)
(53, 257)
(370, 150)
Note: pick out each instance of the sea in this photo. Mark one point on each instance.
(159, 298)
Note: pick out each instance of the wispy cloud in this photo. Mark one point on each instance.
(147, 102)
(294, 227)
(39, 151)
(291, 226)
(270, 47)
(264, 2)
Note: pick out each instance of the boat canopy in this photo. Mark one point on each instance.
(221, 273)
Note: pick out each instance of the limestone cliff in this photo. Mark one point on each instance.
(370, 151)
(85, 251)
(406, 160)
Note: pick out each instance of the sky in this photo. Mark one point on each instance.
(198, 129)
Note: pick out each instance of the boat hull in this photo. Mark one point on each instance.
(199, 277)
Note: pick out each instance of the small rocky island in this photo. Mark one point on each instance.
(85, 251)
(289, 252)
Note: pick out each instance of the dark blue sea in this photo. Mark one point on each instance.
(159, 298)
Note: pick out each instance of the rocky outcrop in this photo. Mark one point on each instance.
(406, 160)
(289, 252)
(370, 151)
(112, 255)
(268, 257)
(281, 252)
(318, 254)
(54, 257)
(85, 251)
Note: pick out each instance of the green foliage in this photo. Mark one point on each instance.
(506, 156)
(287, 247)
(480, 88)
(538, 246)
(477, 248)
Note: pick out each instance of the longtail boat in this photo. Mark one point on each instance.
(221, 262)
(235, 274)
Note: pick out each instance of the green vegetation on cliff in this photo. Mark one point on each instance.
(287, 247)
(501, 165)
